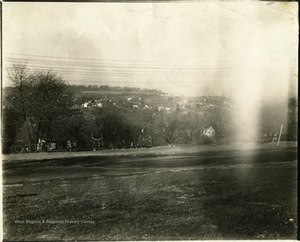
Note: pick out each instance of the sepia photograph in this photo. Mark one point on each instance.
(149, 121)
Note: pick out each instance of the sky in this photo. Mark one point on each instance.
(240, 49)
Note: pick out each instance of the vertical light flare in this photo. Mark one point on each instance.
(247, 96)
(262, 50)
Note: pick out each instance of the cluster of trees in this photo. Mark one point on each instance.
(124, 128)
(79, 88)
(33, 106)
(274, 113)
(40, 106)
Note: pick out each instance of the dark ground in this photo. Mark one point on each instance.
(213, 194)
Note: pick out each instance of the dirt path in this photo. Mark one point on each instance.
(162, 150)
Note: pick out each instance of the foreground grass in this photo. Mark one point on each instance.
(241, 202)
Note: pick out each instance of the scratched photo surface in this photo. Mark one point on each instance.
(149, 121)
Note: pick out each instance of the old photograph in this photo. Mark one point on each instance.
(143, 121)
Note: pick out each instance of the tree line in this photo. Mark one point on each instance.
(39, 107)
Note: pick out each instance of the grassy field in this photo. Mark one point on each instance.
(224, 201)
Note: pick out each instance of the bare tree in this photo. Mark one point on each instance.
(16, 100)
(37, 98)
(167, 126)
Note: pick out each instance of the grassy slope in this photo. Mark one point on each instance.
(248, 202)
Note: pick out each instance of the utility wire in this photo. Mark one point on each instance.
(109, 60)
(135, 66)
